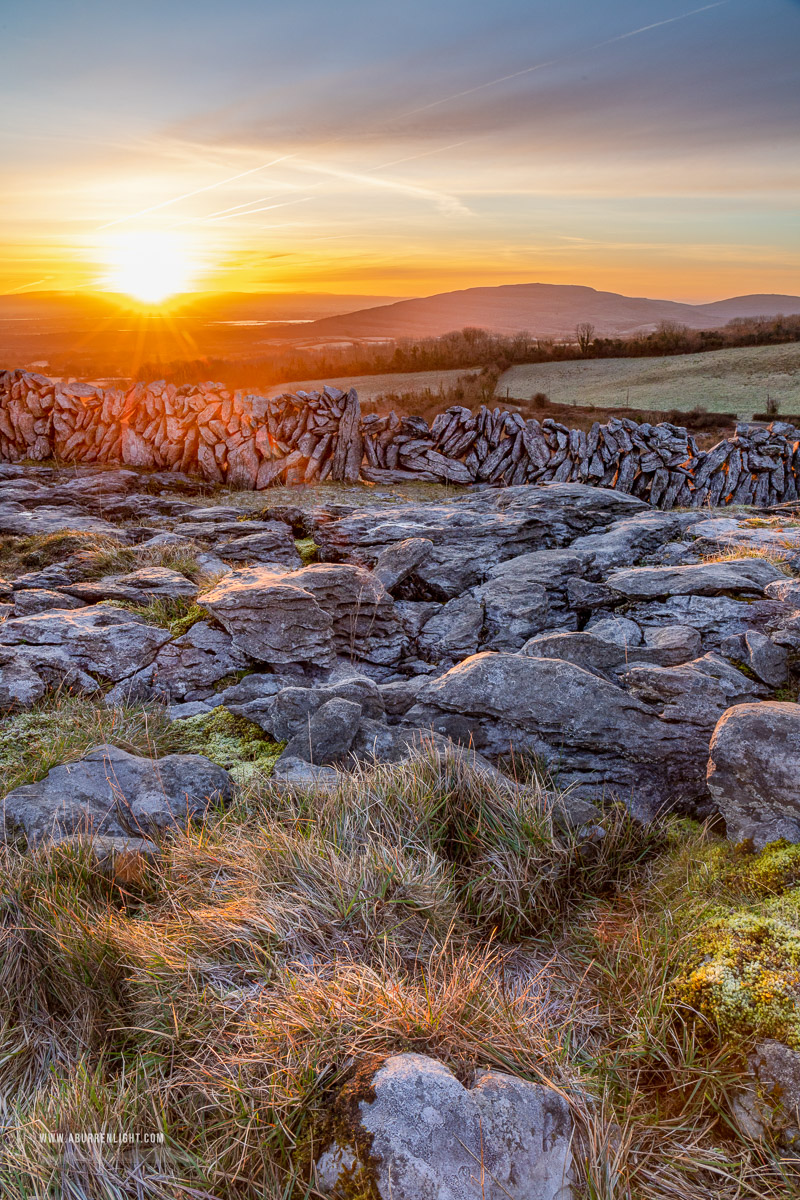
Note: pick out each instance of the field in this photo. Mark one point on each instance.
(738, 380)
(370, 386)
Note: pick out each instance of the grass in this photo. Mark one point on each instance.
(96, 556)
(177, 613)
(268, 955)
(733, 380)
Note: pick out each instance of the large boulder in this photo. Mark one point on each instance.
(99, 640)
(271, 617)
(597, 736)
(419, 1133)
(754, 771)
(327, 734)
(307, 616)
(112, 793)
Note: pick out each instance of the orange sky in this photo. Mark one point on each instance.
(646, 148)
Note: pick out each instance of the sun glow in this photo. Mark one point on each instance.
(149, 266)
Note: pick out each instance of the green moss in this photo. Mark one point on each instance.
(178, 615)
(307, 549)
(742, 974)
(233, 742)
(63, 728)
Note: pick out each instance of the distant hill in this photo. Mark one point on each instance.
(544, 310)
(199, 306)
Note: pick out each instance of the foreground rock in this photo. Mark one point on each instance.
(422, 1134)
(754, 772)
(646, 744)
(111, 793)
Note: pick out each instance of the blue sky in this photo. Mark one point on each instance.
(644, 147)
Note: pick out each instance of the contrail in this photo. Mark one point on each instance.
(187, 195)
(554, 61)
(266, 208)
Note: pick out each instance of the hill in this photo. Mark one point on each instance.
(543, 309)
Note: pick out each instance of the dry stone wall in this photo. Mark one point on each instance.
(251, 441)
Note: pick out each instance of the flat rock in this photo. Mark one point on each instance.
(21, 522)
(37, 600)
(748, 576)
(501, 1138)
(135, 587)
(112, 793)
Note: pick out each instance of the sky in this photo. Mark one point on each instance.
(650, 148)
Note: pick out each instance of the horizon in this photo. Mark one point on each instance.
(649, 151)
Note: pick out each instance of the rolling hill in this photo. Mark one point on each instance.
(544, 310)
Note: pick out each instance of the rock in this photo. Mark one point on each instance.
(501, 1138)
(191, 708)
(136, 587)
(299, 773)
(777, 1069)
(754, 771)
(414, 614)
(741, 575)
(328, 734)
(714, 617)
(398, 697)
(38, 600)
(286, 712)
(696, 693)
(471, 536)
(253, 687)
(115, 794)
(598, 737)
(20, 685)
(395, 563)
(109, 642)
(584, 649)
(621, 631)
(21, 522)
(365, 625)
(514, 609)
(785, 590)
(671, 644)
(189, 667)
(626, 541)
(454, 632)
(272, 617)
(267, 546)
(755, 651)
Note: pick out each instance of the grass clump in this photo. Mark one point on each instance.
(177, 614)
(308, 549)
(19, 555)
(233, 742)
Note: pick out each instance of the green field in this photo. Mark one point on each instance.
(736, 381)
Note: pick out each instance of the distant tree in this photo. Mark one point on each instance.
(584, 334)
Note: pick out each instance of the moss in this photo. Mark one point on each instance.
(742, 975)
(178, 615)
(232, 742)
(307, 548)
(62, 728)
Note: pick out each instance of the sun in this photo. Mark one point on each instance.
(149, 266)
